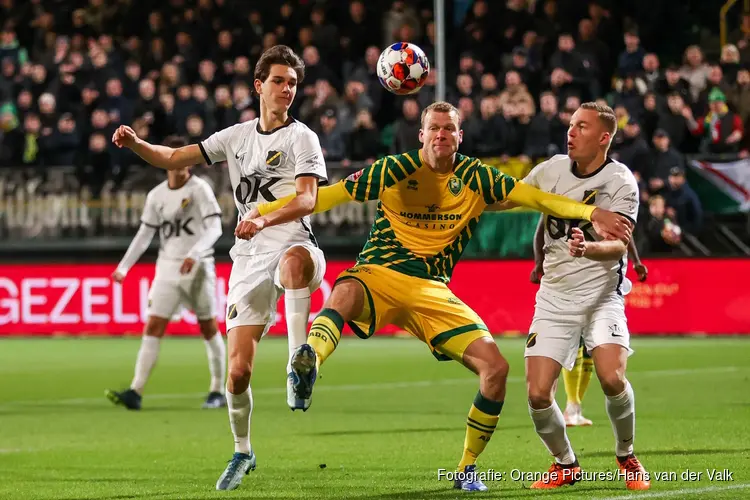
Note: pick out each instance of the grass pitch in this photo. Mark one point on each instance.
(385, 417)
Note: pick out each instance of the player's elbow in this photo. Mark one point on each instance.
(306, 202)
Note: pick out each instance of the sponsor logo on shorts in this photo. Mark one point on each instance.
(614, 330)
(531, 339)
(232, 311)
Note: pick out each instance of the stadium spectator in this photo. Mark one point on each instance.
(633, 149)
(630, 60)
(332, 140)
(663, 159)
(739, 94)
(684, 207)
(595, 53)
(730, 62)
(546, 135)
(406, 128)
(715, 80)
(364, 139)
(694, 70)
(649, 117)
(674, 122)
(658, 234)
(721, 129)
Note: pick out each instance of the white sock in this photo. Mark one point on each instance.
(621, 411)
(550, 426)
(297, 305)
(217, 362)
(240, 407)
(145, 362)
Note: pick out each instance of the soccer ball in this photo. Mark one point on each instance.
(403, 68)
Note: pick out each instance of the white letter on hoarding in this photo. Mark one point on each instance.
(57, 315)
(120, 316)
(89, 299)
(11, 303)
(28, 300)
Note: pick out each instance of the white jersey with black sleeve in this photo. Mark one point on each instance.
(612, 187)
(263, 167)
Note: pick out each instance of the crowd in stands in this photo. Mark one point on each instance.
(73, 70)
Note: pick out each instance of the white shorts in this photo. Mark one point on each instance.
(559, 324)
(255, 286)
(196, 290)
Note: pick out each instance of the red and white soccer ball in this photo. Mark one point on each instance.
(403, 68)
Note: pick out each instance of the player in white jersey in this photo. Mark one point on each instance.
(582, 296)
(268, 158)
(184, 210)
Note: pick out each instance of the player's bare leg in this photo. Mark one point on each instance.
(483, 358)
(146, 360)
(346, 303)
(217, 362)
(296, 271)
(541, 381)
(610, 361)
(243, 344)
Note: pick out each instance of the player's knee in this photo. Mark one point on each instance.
(155, 327)
(296, 268)
(347, 299)
(239, 374)
(612, 383)
(540, 397)
(208, 328)
(497, 373)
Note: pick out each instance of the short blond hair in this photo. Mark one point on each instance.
(605, 113)
(440, 107)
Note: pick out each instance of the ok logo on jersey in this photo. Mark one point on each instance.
(249, 188)
(557, 228)
(176, 228)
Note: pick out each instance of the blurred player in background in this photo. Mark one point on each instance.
(582, 296)
(184, 210)
(430, 203)
(269, 157)
(577, 379)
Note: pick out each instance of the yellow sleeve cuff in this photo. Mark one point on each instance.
(328, 197)
(551, 204)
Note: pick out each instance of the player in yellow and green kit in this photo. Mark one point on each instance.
(430, 203)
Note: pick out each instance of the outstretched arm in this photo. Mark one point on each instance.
(158, 156)
(607, 224)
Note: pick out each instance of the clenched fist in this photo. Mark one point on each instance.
(124, 136)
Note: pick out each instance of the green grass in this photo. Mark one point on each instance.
(385, 417)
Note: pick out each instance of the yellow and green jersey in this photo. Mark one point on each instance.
(424, 219)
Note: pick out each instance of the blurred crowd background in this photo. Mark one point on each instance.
(71, 71)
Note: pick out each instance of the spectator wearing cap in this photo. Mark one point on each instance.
(332, 140)
(663, 159)
(684, 205)
(633, 151)
(722, 129)
(61, 146)
(715, 80)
